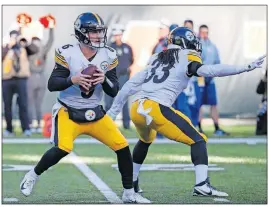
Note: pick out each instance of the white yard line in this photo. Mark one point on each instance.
(249, 141)
(94, 179)
(10, 200)
(221, 200)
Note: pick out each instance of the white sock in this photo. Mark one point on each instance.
(33, 174)
(136, 169)
(129, 191)
(200, 173)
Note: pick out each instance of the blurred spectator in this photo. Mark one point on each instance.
(126, 59)
(37, 81)
(181, 104)
(15, 74)
(188, 23)
(261, 128)
(164, 31)
(210, 56)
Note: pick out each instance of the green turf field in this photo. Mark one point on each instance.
(244, 177)
(236, 131)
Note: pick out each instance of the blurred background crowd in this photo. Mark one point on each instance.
(229, 34)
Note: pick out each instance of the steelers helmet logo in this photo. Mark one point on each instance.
(104, 65)
(189, 36)
(90, 115)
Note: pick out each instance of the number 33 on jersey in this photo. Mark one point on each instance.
(163, 83)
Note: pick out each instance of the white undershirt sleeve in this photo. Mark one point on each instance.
(220, 70)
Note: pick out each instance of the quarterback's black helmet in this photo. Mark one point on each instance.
(90, 30)
(185, 38)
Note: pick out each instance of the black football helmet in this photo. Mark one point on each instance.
(91, 30)
(185, 39)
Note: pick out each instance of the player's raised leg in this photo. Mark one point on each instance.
(106, 131)
(178, 127)
(65, 132)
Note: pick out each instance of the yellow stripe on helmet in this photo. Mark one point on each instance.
(98, 19)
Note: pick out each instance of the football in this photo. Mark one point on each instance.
(90, 70)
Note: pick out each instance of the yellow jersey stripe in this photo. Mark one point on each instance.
(98, 19)
(194, 58)
(59, 61)
(59, 56)
(115, 60)
(113, 65)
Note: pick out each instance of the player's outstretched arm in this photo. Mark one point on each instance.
(129, 88)
(220, 70)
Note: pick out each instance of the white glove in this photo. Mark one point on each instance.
(256, 64)
(112, 115)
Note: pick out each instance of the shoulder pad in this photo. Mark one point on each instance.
(194, 56)
(61, 55)
(65, 50)
(112, 57)
(112, 54)
(110, 48)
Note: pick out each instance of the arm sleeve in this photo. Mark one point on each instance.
(59, 79)
(131, 87)
(192, 68)
(111, 84)
(196, 68)
(219, 70)
(195, 62)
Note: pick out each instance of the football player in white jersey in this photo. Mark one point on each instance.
(157, 87)
(80, 111)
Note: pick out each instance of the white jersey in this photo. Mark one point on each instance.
(163, 84)
(72, 58)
